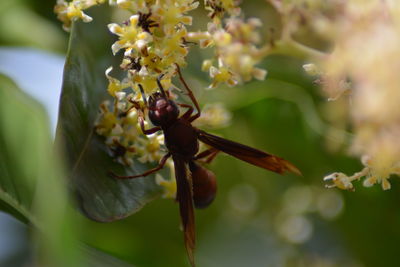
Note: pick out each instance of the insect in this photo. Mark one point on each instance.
(216, 8)
(196, 185)
(145, 22)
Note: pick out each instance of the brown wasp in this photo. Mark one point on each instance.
(196, 185)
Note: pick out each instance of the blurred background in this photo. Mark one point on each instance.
(258, 218)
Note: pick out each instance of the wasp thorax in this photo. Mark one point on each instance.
(162, 110)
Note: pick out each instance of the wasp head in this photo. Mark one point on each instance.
(162, 111)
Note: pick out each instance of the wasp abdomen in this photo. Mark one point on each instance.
(204, 185)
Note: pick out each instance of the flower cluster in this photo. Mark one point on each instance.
(213, 116)
(360, 73)
(71, 11)
(153, 40)
(363, 68)
(217, 8)
(123, 134)
(372, 172)
(234, 41)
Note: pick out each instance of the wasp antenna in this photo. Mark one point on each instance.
(190, 93)
(143, 94)
(160, 86)
(182, 79)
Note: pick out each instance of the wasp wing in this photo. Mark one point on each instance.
(184, 196)
(251, 155)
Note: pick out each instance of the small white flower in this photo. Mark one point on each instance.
(312, 69)
(107, 72)
(86, 18)
(120, 95)
(259, 74)
(385, 184)
(370, 181)
(141, 44)
(117, 130)
(115, 48)
(143, 71)
(339, 180)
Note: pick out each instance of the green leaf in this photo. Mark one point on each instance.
(31, 183)
(97, 258)
(100, 197)
(30, 175)
(24, 135)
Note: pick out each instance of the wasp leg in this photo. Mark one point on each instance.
(188, 113)
(208, 154)
(159, 167)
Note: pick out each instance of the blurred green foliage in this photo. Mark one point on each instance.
(258, 218)
(31, 175)
(30, 23)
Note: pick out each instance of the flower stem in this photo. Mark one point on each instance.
(290, 47)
